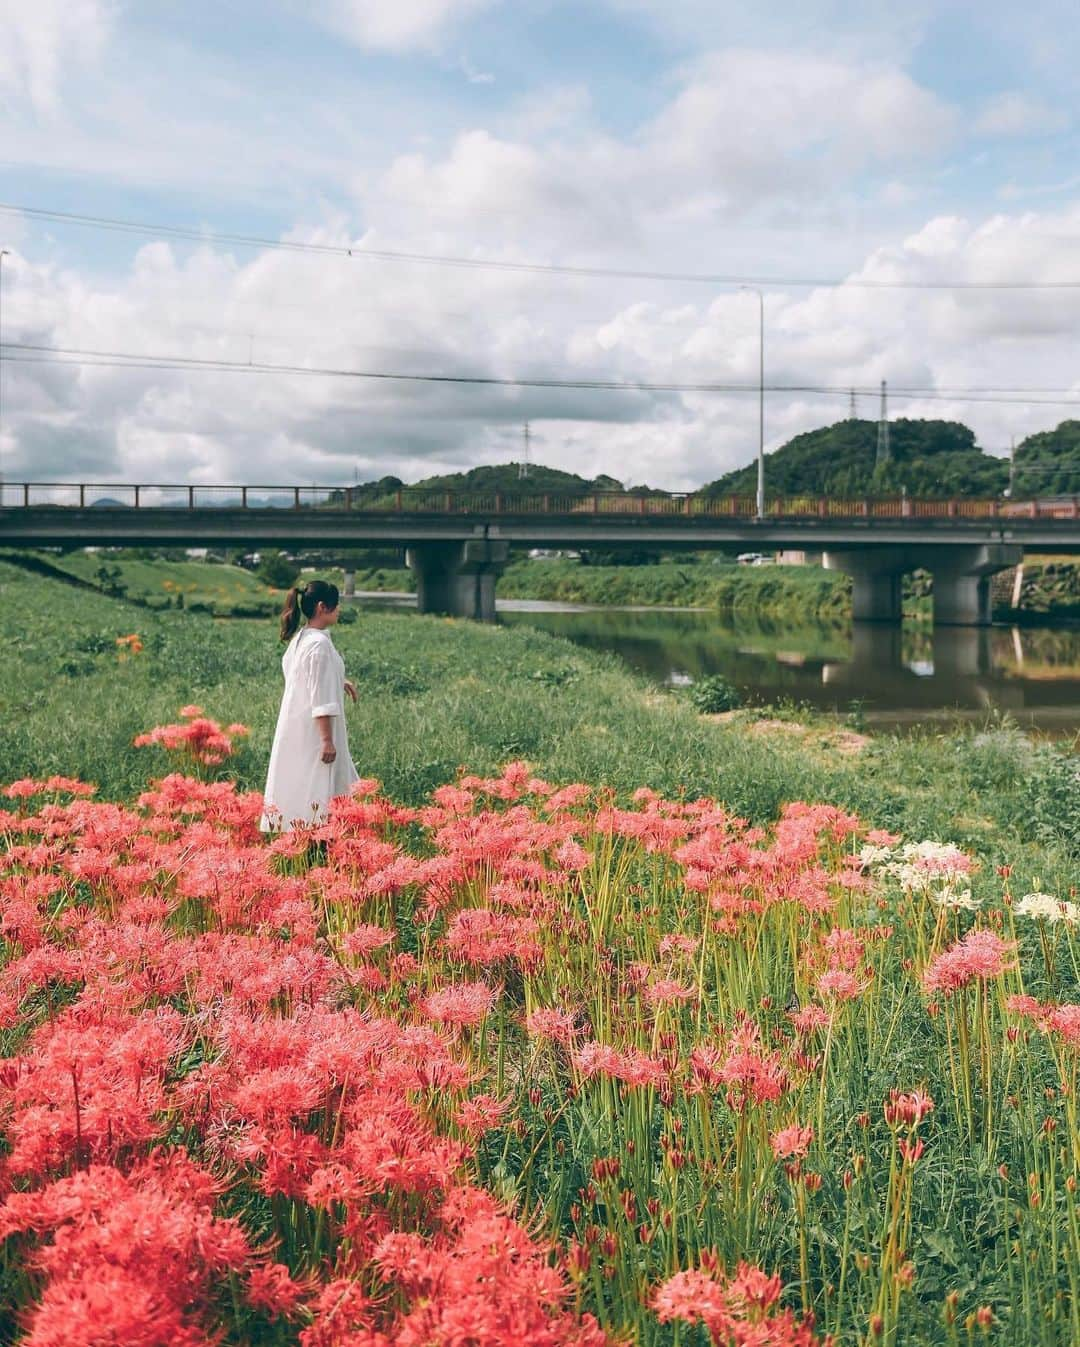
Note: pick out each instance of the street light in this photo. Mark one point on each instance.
(4, 252)
(761, 400)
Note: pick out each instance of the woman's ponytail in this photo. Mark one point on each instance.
(304, 602)
(290, 615)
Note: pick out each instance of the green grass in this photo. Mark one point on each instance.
(765, 590)
(436, 694)
(160, 584)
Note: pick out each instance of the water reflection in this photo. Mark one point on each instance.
(894, 675)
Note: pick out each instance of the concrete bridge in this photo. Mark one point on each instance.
(458, 542)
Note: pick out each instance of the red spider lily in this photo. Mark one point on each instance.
(632, 1068)
(808, 1020)
(481, 1113)
(53, 785)
(752, 1075)
(90, 1088)
(907, 1110)
(363, 940)
(665, 991)
(302, 1015)
(482, 1281)
(481, 937)
(735, 1311)
(558, 1025)
(198, 737)
(839, 985)
(465, 1004)
(981, 954)
(132, 1258)
(791, 1141)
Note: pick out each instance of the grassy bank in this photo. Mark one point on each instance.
(200, 586)
(788, 594)
(438, 694)
(769, 591)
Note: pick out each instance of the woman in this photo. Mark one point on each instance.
(309, 762)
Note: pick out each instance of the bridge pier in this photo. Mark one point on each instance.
(962, 583)
(876, 580)
(961, 579)
(458, 578)
(348, 584)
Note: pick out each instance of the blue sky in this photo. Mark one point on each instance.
(820, 138)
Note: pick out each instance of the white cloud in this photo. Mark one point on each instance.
(283, 308)
(394, 25)
(40, 41)
(747, 136)
(755, 115)
(1015, 114)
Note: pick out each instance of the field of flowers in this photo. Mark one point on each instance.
(523, 1065)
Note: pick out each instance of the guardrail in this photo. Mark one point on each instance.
(418, 500)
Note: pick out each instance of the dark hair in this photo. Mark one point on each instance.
(305, 600)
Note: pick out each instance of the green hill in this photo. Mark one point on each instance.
(929, 458)
(1048, 462)
(505, 477)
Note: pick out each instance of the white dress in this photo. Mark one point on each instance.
(299, 785)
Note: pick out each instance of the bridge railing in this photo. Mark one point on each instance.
(424, 500)
(126, 495)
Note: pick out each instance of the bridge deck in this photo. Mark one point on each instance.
(43, 513)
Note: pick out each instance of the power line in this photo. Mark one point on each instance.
(35, 353)
(491, 264)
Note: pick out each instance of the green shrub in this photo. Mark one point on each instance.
(714, 694)
(277, 570)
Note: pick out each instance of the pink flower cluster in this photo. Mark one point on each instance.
(980, 955)
(195, 736)
(736, 1311)
(255, 1076)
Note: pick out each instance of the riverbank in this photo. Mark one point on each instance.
(769, 591)
(1048, 589)
(436, 694)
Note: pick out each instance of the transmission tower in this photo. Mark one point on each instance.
(523, 466)
(883, 454)
(853, 411)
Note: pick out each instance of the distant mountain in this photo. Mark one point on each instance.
(505, 477)
(929, 458)
(1048, 462)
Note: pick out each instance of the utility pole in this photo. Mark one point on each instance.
(3, 253)
(853, 414)
(883, 455)
(1012, 469)
(761, 400)
(523, 466)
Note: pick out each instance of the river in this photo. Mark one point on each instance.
(884, 676)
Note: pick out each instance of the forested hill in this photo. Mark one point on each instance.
(1048, 462)
(929, 458)
(506, 477)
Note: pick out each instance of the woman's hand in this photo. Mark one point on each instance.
(329, 752)
(350, 690)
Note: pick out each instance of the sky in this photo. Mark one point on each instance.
(816, 140)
